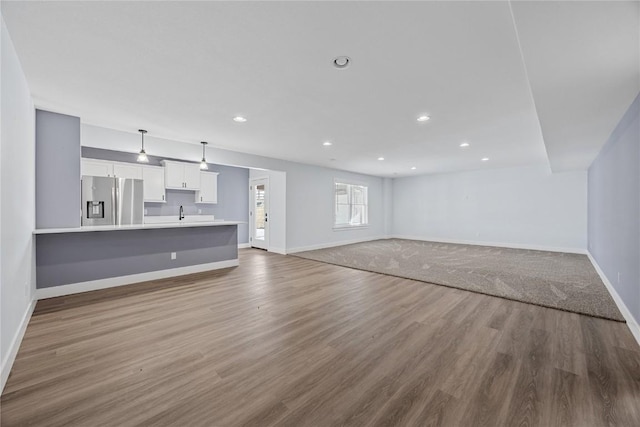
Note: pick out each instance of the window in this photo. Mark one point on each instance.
(351, 208)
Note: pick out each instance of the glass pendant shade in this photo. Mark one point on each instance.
(142, 157)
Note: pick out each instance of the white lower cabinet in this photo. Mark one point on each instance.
(154, 190)
(208, 192)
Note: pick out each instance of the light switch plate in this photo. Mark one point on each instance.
(173, 255)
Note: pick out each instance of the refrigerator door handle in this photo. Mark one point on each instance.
(116, 198)
(113, 205)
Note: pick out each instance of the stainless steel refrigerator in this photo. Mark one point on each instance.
(112, 201)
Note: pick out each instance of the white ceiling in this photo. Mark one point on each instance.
(182, 70)
(583, 62)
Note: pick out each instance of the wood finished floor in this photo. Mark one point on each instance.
(286, 341)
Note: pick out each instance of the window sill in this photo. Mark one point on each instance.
(349, 227)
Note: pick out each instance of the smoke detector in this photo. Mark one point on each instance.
(341, 62)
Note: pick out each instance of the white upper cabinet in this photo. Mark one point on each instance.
(92, 167)
(181, 176)
(192, 176)
(173, 175)
(127, 170)
(153, 185)
(208, 188)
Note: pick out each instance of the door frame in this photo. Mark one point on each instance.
(260, 244)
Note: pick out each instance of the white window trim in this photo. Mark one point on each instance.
(333, 189)
(349, 227)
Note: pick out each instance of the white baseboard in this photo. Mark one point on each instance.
(112, 282)
(7, 363)
(333, 244)
(280, 251)
(626, 313)
(496, 244)
(244, 245)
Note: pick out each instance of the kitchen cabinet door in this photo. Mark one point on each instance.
(191, 176)
(127, 170)
(91, 167)
(174, 175)
(153, 177)
(208, 188)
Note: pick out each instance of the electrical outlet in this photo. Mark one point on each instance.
(145, 211)
(199, 211)
(173, 255)
(618, 277)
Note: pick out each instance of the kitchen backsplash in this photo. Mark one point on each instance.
(175, 199)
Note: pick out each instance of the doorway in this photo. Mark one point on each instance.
(259, 213)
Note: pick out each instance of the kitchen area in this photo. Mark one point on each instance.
(107, 218)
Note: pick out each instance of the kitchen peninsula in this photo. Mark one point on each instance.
(71, 260)
(157, 241)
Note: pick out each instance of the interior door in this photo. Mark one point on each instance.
(259, 213)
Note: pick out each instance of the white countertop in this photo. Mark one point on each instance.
(187, 224)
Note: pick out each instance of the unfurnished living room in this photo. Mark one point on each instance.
(320, 213)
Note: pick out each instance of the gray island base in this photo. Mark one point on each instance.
(71, 262)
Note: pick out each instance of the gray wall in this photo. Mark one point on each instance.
(68, 258)
(614, 209)
(233, 191)
(57, 170)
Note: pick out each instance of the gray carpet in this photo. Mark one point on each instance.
(549, 279)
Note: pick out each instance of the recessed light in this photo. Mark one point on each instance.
(327, 143)
(484, 159)
(380, 158)
(464, 144)
(341, 62)
(239, 119)
(413, 168)
(423, 118)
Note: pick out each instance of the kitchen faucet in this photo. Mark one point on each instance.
(181, 216)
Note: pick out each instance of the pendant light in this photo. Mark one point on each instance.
(142, 157)
(203, 163)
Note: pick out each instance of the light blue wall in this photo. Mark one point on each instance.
(233, 191)
(614, 209)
